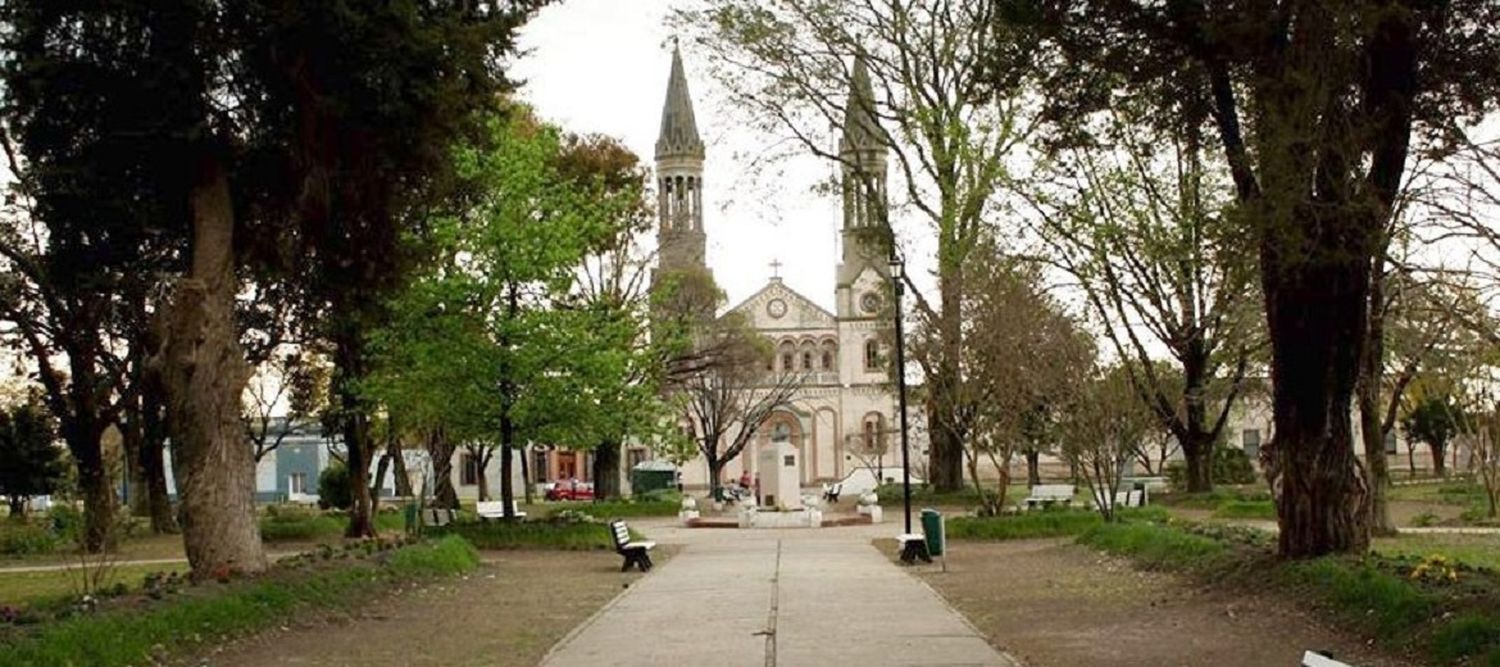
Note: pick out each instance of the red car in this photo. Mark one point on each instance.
(571, 490)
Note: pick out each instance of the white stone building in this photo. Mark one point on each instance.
(843, 419)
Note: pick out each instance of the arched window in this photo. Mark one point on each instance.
(872, 355)
(807, 363)
(827, 360)
(874, 433)
(786, 361)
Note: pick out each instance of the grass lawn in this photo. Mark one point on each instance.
(1471, 550)
(28, 588)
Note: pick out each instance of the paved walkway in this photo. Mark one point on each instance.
(769, 597)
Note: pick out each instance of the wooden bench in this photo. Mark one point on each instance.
(634, 553)
(1046, 495)
(831, 492)
(495, 509)
(1320, 659)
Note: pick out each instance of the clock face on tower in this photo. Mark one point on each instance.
(776, 308)
(870, 302)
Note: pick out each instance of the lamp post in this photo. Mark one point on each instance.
(896, 289)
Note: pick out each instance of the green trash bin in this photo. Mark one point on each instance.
(932, 529)
(409, 513)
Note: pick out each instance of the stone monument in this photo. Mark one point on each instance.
(780, 476)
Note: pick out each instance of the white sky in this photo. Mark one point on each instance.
(601, 66)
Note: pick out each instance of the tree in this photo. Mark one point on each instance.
(1139, 219)
(1315, 105)
(1485, 450)
(1435, 419)
(1101, 428)
(1023, 355)
(31, 463)
(256, 125)
(498, 291)
(788, 65)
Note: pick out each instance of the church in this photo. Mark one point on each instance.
(843, 419)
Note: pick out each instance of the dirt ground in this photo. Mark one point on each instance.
(508, 612)
(1050, 602)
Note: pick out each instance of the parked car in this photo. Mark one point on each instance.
(571, 490)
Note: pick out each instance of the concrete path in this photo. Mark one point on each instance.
(776, 597)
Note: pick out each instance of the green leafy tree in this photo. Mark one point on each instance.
(1315, 106)
(31, 463)
(492, 341)
(1434, 419)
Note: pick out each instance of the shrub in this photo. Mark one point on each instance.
(573, 536)
(293, 522)
(1232, 466)
(24, 539)
(334, 491)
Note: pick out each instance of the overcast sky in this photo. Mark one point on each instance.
(602, 65)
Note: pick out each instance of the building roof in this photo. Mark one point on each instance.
(679, 128)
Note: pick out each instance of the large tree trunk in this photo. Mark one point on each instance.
(1198, 455)
(1439, 450)
(440, 451)
(98, 506)
(607, 470)
(349, 358)
(203, 373)
(1316, 310)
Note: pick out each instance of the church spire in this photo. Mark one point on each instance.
(863, 151)
(679, 129)
(861, 129)
(680, 237)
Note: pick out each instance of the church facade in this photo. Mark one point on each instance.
(843, 418)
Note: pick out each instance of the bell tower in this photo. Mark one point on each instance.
(865, 235)
(679, 178)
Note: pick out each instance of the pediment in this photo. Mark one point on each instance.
(777, 306)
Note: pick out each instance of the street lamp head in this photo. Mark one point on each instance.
(895, 266)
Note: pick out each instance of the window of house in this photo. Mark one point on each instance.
(827, 360)
(635, 457)
(297, 483)
(874, 435)
(786, 361)
(1250, 441)
(539, 465)
(468, 471)
(807, 363)
(872, 355)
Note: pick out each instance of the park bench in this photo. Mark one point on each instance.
(495, 509)
(1046, 495)
(1135, 498)
(831, 492)
(634, 553)
(433, 516)
(1320, 659)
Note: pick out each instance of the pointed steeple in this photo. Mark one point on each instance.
(679, 130)
(861, 129)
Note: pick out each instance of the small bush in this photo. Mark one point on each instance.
(1232, 466)
(334, 490)
(449, 555)
(283, 523)
(571, 536)
(25, 539)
